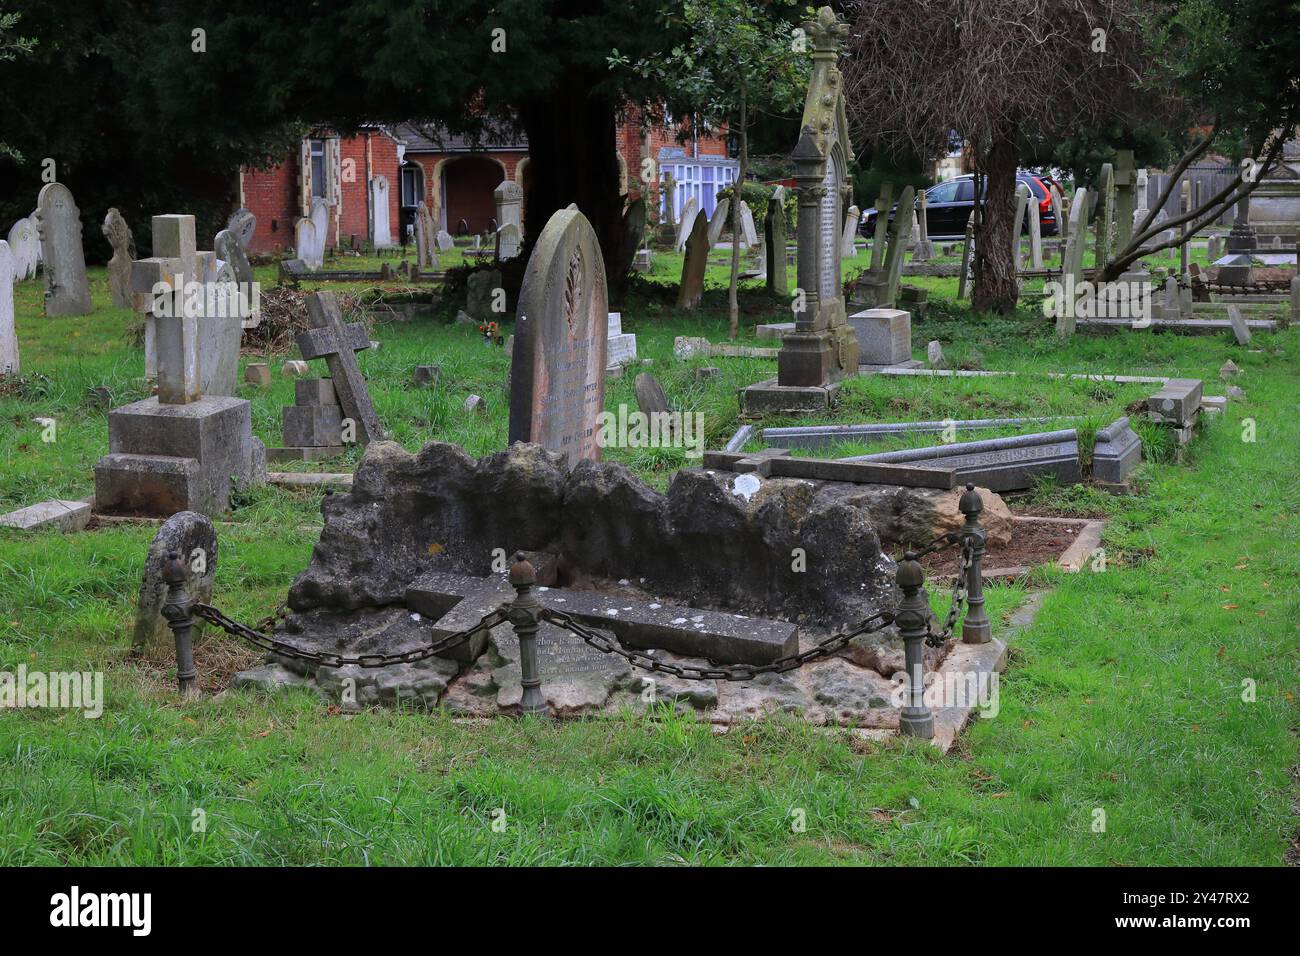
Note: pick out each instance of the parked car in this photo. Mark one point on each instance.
(949, 204)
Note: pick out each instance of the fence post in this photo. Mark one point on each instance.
(525, 617)
(912, 617)
(177, 612)
(975, 627)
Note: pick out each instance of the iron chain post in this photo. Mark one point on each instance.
(976, 627)
(912, 618)
(177, 612)
(525, 616)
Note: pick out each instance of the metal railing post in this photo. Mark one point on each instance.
(976, 627)
(176, 610)
(525, 617)
(912, 617)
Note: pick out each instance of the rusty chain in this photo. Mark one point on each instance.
(325, 659)
(261, 638)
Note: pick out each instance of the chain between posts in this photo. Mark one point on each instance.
(326, 659)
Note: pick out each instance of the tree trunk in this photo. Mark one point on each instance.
(733, 302)
(996, 289)
(572, 159)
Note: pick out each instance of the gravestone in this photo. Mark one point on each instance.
(306, 243)
(230, 250)
(557, 379)
(171, 329)
(118, 234)
(696, 261)
(650, 397)
(620, 346)
(924, 248)
(312, 425)
(509, 242)
(823, 348)
(721, 219)
(1072, 264)
(1035, 234)
(509, 198)
(8, 335)
(444, 241)
(193, 539)
(748, 234)
(481, 294)
(774, 244)
(1058, 213)
(67, 290)
(26, 249)
(1017, 246)
(320, 215)
(633, 229)
(329, 338)
(1125, 186)
(1176, 403)
(1105, 200)
(1115, 453)
(687, 223)
(1239, 327)
(880, 290)
(882, 227)
(848, 249)
(380, 222)
(965, 276)
(242, 224)
(884, 338)
(999, 464)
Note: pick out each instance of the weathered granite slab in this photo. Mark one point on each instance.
(1177, 402)
(999, 464)
(61, 515)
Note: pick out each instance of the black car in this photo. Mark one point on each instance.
(949, 204)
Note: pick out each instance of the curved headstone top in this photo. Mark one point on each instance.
(508, 191)
(557, 381)
(242, 224)
(67, 290)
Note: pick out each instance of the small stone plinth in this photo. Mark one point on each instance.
(60, 515)
(769, 398)
(884, 336)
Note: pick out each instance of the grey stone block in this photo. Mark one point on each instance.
(62, 515)
(306, 425)
(1117, 451)
(1177, 402)
(314, 391)
(769, 397)
(153, 484)
(884, 336)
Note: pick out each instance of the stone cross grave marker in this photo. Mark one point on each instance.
(557, 379)
(329, 338)
(118, 234)
(8, 337)
(67, 290)
(172, 329)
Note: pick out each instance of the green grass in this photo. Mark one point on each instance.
(1125, 695)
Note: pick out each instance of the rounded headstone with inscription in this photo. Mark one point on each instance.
(193, 537)
(67, 290)
(558, 369)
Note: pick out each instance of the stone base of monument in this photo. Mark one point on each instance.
(168, 458)
(697, 575)
(769, 398)
(305, 452)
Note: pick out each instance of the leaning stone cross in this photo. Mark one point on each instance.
(175, 334)
(329, 338)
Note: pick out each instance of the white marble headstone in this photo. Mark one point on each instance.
(8, 336)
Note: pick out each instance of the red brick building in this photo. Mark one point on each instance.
(452, 176)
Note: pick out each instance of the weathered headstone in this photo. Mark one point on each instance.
(242, 224)
(748, 234)
(1239, 327)
(1017, 247)
(312, 425)
(118, 234)
(1035, 234)
(882, 227)
(557, 380)
(923, 249)
(481, 294)
(192, 538)
(67, 290)
(444, 241)
(320, 215)
(26, 248)
(1176, 403)
(329, 338)
(696, 261)
(306, 244)
(1072, 264)
(967, 258)
(650, 397)
(380, 222)
(774, 244)
(229, 250)
(1105, 200)
(633, 230)
(720, 220)
(509, 242)
(620, 346)
(1124, 183)
(8, 336)
(687, 223)
(509, 198)
(849, 248)
(934, 354)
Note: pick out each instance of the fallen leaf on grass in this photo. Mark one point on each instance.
(1231, 607)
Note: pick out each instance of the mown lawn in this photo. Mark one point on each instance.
(1125, 696)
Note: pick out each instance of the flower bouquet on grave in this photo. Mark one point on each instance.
(491, 333)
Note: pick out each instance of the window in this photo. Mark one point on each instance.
(319, 181)
(944, 192)
(965, 190)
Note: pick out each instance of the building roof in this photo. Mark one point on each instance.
(435, 138)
